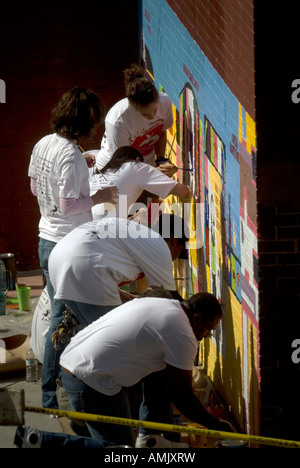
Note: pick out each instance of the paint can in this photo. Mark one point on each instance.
(9, 261)
(118, 446)
(197, 440)
(229, 443)
(3, 283)
(2, 302)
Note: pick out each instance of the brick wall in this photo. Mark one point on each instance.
(278, 143)
(43, 52)
(279, 271)
(224, 32)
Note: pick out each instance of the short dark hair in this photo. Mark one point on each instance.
(157, 291)
(205, 304)
(77, 112)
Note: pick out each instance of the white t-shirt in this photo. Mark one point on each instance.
(131, 179)
(61, 172)
(131, 342)
(41, 322)
(125, 126)
(90, 262)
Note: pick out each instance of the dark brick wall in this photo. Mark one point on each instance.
(45, 50)
(278, 182)
(224, 32)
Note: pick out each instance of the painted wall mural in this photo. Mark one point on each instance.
(213, 138)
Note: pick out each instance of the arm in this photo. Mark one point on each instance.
(181, 191)
(126, 296)
(160, 146)
(33, 186)
(74, 206)
(90, 159)
(183, 397)
(176, 295)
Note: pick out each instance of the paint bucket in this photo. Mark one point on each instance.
(197, 440)
(3, 283)
(229, 443)
(9, 261)
(2, 302)
(118, 446)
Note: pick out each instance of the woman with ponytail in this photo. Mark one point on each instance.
(139, 120)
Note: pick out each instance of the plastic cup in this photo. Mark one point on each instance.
(24, 297)
(2, 302)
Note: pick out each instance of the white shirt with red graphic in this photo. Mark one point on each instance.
(125, 126)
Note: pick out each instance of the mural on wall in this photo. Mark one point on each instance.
(213, 140)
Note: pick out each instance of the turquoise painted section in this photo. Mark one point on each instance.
(176, 60)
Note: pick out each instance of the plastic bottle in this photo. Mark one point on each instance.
(32, 367)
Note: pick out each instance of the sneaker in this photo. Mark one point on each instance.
(27, 437)
(157, 441)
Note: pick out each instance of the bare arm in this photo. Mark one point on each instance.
(167, 168)
(33, 186)
(105, 195)
(183, 397)
(181, 191)
(160, 146)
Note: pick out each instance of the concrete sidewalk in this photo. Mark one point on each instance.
(17, 322)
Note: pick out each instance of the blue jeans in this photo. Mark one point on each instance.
(53, 440)
(156, 405)
(51, 367)
(84, 399)
(87, 313)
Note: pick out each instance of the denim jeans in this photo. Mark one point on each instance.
(156, 404)
(84, 399)
(53, 440)
(51, 367)
(87, 313)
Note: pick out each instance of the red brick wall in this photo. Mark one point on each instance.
(43, 52)
(224, 32)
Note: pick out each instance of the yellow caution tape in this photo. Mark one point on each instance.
(166, 427)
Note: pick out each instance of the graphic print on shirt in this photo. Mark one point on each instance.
(46, 201)
(145, 142)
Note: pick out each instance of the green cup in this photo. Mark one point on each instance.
(24, 297)
(2, 302)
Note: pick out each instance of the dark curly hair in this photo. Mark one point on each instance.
(77, 112)
(157, 291)
(139, 90)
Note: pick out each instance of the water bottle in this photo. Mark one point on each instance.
(32, 367)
